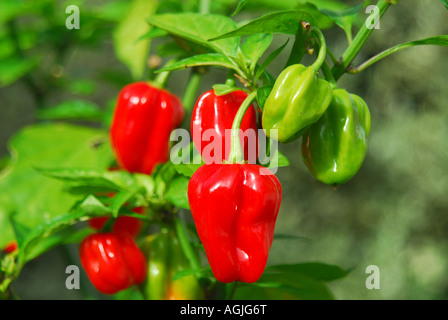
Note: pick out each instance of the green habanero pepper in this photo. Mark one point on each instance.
(165, 260)
(334, 148)
(298, 99)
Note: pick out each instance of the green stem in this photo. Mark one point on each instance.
(327, 74)
(189, 97)
(322, 49)
(232, 291)
(204, 6)
(185, 244)
(236, 153)
(162, 78)
(298, 49)
(361, 37)
(399, 47)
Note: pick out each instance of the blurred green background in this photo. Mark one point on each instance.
(392, 214)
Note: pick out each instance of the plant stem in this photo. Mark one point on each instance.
(191, 90)
(298, 49)
(394, 49)
(322, 49)
(185, 244)
(358, 42)
(327, 74)
(204, 6)
(232, 292)
(236, 153)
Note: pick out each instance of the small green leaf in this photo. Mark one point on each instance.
(12, 69)
(344, 18)
(120, 199)
(91, 178)
(262, 95)
(198, 28)
(132, 26)
(208, 59)
(72, 110)
(445, 3)
(91, 206)
(278, 236)
(177, 192)
(255, 46)
(223, 89)
(154, 33)
(187, 169)
(316, 270)
(241, 4)
(277, 22)
(271, 57)
(82, 86)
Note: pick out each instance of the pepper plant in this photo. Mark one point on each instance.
(150, 228)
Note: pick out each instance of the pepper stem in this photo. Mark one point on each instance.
(322, 49)
(236, 153)
(186, 245)
(162, 78)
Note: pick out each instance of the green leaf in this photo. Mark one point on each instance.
(37, 236)
(304, 281)
(255, 46)
(82, 86)
(120, 199)
(91, 206)
(198, 28)
(280, 236)
(65, 236)
(223, 89)
(241, 4)
(117, 180)
(9, 9)
(344, 18)
(271, 57)
(278, 160)
(208, 59)
(72, 110)
(262, 95)
(154, 33)
(132, 26)
(34, 198)
(445, 3)
(12, 69)
(187, 169)
(177, 192)
(316, 270)
(284, 286)
(277, 22)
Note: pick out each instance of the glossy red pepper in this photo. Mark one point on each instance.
(112, 261)
(143, 120)
(217, 113)
(235, 207)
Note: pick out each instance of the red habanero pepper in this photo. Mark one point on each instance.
(235, 207)
(217, 113)
(143, 120)
(112, 261)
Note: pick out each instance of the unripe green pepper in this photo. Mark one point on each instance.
(165, 260)
(298, 99)
(334, 148)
